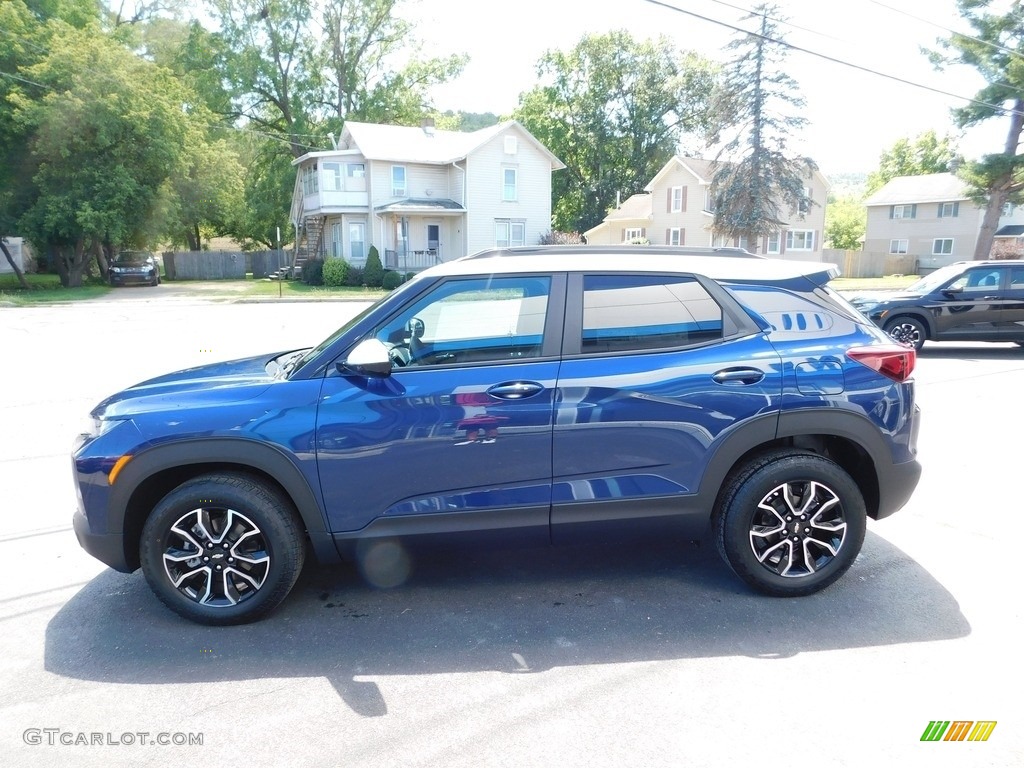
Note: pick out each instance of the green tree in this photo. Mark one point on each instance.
(102, 133)
(754, 181)
(845, 223)
(927, 153)
(268, 185)
(996, 49)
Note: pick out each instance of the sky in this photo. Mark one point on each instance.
(854, 116)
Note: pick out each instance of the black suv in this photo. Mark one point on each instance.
(541, 395)
(134, 268)
(966, 301)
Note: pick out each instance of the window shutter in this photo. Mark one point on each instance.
(623, 234)
(913, 211)
(668, 236)
(892, 211)
(940, 210)
(956, 209)
(643, 232)
(682, 232)
(684, 202)
(668, 205)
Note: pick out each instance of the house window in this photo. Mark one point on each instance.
(632, 233)
(509, 185)
(773, 243)
(1008, 209)
(743, 242)
(356, 170)
(709, 203)
(675, 236)
(509, 233)
(805, 205)
(357, 240)
(898, 246)
(800, 240)
(398, 188)
(720, 241)
(310, 181)
(903, 212)
(948, 210)
(336, 243)
(942, 246)
(676, 205)
(332, 177)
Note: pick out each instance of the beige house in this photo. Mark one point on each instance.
(420, 195)
(677, 210)
(931, 218)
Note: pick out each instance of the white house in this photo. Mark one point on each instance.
(420, 195)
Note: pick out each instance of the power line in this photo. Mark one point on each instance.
(22, 79)
(834, 60)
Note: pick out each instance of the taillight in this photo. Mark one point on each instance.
(892, 360)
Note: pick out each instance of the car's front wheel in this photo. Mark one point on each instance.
(222, 549)
(907, 330)
(790, 523)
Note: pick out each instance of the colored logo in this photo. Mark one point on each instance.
(958, 730)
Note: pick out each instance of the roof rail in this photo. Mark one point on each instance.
(582, 250)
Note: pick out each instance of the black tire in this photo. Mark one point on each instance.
(248, 536)
(907, 330)
(796, 546)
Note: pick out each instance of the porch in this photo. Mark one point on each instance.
(411, 260)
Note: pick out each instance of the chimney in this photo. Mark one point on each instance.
(427, 124)
(334, 141)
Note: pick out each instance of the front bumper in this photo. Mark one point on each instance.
(108, 548)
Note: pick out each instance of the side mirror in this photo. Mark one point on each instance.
(953, 290)
(368, 358)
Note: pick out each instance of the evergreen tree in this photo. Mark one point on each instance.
(754, 181)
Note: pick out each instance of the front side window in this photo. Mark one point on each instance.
(473, 320)
(509, 185)
(898, 246)
(509, 233)
(942, 246)
(398, 188)
(982, 280)
(800, 240)
(641, 312)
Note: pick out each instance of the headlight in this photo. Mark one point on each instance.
(866, 306)
(116, 269)
(94, 426)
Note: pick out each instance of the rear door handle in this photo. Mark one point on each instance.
(738, 376)
(515, 390)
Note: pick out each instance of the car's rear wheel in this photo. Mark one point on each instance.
(790, 523)
(222, 549)
(907, 330)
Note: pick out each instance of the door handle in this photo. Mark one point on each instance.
(738, 376)
(515, 390)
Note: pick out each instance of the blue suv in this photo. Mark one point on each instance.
(538, 394)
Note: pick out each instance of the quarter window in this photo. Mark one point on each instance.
(898, 246)
(942, 246)
(640, 312)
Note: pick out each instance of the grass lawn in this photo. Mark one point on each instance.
(888, 283)
(295, 289)
(45, 288)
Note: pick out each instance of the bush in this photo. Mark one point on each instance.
(373, 272)
(554, 237)
(335, 272)
(313, 272)
(391, 280)
(408, 276)
(355, 276)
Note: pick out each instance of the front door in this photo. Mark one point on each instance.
(458, 437)
(971, 306)
(434, 240)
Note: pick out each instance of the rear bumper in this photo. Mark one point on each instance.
(898, 483)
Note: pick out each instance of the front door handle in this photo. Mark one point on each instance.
(515, 390)
(738, 376)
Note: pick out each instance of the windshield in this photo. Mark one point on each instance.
(941, 276)
(296, 362)
(130, 260)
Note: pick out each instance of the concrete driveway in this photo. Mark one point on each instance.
(574, 657)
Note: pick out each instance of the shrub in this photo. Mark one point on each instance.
(373, 272)
(335, 272)
(554, 237)
(313, 272)
(408, 276)
(391, 280)
(355, 276)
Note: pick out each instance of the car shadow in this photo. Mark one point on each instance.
(518, 611)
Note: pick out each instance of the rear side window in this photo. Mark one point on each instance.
(637, 312)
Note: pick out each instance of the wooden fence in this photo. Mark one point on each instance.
(222, 265)
(871, 264)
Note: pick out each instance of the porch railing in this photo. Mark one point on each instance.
(409, 260)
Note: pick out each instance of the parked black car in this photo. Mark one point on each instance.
(966, 301)
(134, 268)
